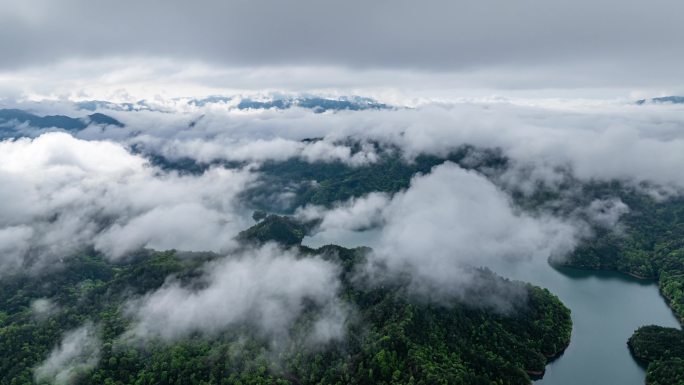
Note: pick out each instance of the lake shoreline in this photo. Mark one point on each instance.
(654, 280)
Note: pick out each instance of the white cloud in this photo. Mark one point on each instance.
(260, 150)
(15, 242)
(606, 212)
(67, 192)
(266, 288)
(631, 143)
(453, 217)
(76, 354)
(446, 223)
(61, 194)
(41, 308)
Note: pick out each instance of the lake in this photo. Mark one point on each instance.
(606, 309)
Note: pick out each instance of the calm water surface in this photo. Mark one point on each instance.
(606, 308)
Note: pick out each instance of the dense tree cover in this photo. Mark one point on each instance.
(666, 372)
(662, 349)
(651, 343)
(393, 338)
(85, 287)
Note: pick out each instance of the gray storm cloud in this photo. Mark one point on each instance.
(572, 39)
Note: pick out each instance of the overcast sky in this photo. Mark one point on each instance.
(633, 46)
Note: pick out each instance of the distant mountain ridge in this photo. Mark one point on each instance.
(317, 104)
(662, 100)
(94, 105)
(278, 102)
(12, 120)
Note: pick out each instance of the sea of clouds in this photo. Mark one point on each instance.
(63, 192)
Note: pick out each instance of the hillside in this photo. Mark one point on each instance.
(392, 339)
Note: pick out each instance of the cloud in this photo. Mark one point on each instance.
(41, 308)
(456, 215)
(572, 41)
(606, 212)
(444, 225)
(355, 214)
(266, 288)
(15, 242)
(633, 144)
(77, 353)
(260, 150)
(546, 141)
(67, 194)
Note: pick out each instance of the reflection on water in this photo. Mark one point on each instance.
(606, 308)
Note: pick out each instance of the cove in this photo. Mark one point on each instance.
(606, 309)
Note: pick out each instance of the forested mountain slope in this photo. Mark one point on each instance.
(393, 338)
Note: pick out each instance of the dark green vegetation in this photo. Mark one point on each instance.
(662, 349)
(392, 339)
